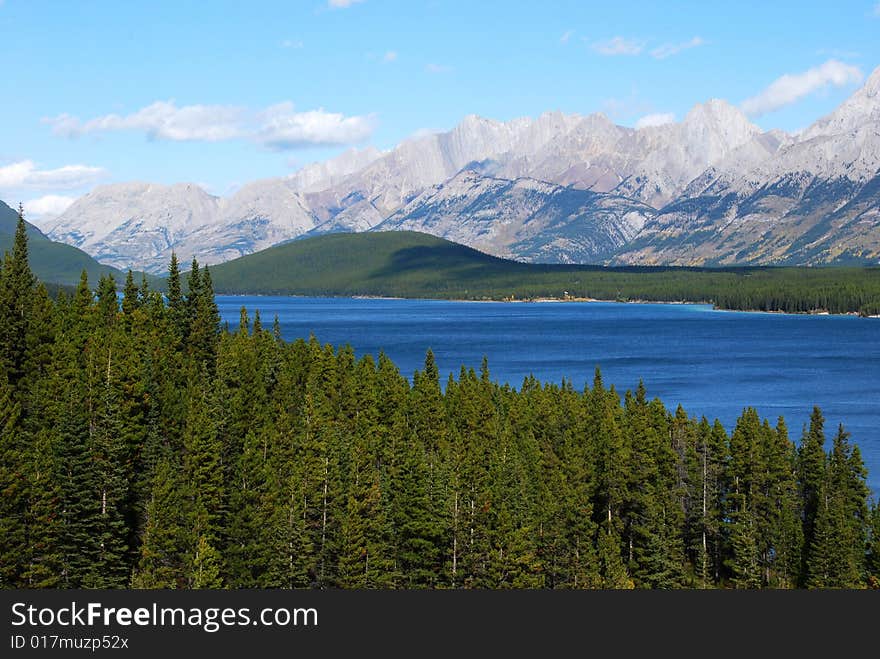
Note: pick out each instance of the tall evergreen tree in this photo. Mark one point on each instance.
(13, 489)
(16, 290)
(131, 299)
(176, 301)
(163, 552)
(811, 477)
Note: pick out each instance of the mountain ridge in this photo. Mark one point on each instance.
(698, 191)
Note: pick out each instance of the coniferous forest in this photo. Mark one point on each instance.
(143, 445)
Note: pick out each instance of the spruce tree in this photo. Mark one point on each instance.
(13, 489)
(45, 562)
(206, 570)
(783, 537)
(203, 466)
(365, 555)
(131, 300)
(705, 461)
(844, 517)
(176, 302)
(811, 476)
(108, 304)
(244, 528)
(162, 561)
(16, 291)
(873, 554)
(204, 327)
(614, 574)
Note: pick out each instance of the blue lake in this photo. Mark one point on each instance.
(714, 363)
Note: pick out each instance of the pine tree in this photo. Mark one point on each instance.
(612, 458)
(203, 467)
(109, 455)
(81, 508)
(873, 555)
(176, 302)
(244, 528)
(365, 559)
(783, 542)
(131, 300)
(745, 565)
(837, 550)
(418, 539)
(45, 563)
(811, 476)
(42, 331)
(163, 549)
(748, 504)
(285, 550)
(206, 571)
(204, 327)
(705, 461)
(194, 293)
(614, 574)
(13, 489)
(16, 291)
(108, 304)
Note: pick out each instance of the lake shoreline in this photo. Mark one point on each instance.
(540, 300)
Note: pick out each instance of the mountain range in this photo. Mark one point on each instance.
(711, 190)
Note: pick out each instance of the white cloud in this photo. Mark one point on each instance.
(422, 133)
(437, 68)
(342, 4)
(792, 87)
(26, 174)
(659, 119)
(50, 205)
(278, 127)
(282, 128)
(390, 56)
(618, 46)
(566, 36)
(669, 49)
(292, 43)
(161, 120)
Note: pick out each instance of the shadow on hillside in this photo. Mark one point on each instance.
(446, 260)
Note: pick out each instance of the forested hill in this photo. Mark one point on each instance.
(142, 446)
(53, 263)
(409, 264)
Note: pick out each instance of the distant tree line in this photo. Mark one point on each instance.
(143, 445)
(412, 265)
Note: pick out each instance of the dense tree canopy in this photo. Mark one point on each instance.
(142, 446)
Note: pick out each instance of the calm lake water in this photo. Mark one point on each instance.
(714, 363)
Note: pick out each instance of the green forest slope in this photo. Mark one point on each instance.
(52, 262)
(409, 264)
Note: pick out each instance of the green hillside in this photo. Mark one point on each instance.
(408, 264)
(53, 263)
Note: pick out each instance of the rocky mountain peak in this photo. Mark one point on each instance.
(720, 118)
(862, 108)
(549, 173)
(872, 85)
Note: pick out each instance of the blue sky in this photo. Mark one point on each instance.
(221, 93)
